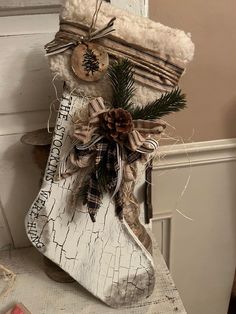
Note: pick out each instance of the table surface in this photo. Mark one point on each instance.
(41, 295)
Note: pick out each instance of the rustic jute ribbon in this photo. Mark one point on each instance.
(142, 139)
(138, 139)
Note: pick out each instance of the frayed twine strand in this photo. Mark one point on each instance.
(95, 16)
(57, 100)
(160, 156)
(9, 277)
(52, 107)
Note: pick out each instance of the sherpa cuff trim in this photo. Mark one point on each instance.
(167, 42)
(134, 29)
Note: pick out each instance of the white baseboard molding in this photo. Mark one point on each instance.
(201, 252)
(191, 154)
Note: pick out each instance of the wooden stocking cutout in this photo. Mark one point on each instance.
(105, 257)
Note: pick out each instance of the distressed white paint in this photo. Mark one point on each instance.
(131, 262)
(182, 247)
(203, 251)
(50, 297)
(105, 257)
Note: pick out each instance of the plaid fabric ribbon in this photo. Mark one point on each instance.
(107, 172)
(106, 166)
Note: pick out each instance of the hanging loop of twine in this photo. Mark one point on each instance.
(105, 29)
(61, 43)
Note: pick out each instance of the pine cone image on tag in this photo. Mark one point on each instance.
(117, 123)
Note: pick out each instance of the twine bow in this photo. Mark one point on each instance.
(108, 158)
(67, 37)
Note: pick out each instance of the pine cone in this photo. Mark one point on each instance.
(117, 123)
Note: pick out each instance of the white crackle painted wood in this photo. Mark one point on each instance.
(105, 257)
(49, 297)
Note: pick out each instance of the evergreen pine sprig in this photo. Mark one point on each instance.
(173, 101)
(121, 77)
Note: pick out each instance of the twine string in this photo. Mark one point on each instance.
(52, 105)
(9, 277)
(56, 47)
(187, 182)
(95, 17)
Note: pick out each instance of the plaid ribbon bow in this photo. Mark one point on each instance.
(107, 171)
(108, 165)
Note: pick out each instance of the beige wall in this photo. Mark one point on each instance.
(210, 81)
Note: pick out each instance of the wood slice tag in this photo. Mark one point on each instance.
(89, 62)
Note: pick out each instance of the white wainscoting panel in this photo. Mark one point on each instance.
(19, 185)
(25, 76)
(25, 95)
(161, 226)
(202, 252)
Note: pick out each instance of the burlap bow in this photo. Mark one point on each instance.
(139, 139)
(97, 151)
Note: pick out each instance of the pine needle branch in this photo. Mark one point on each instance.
(173, 101)
(121, 76)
